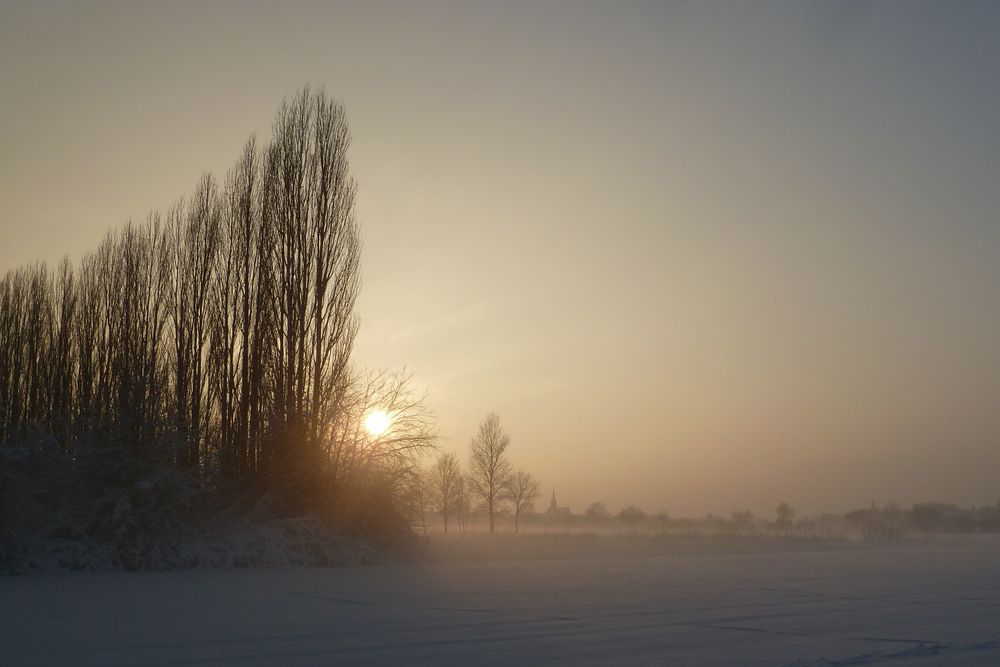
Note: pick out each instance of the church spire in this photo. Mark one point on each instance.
(553, 503)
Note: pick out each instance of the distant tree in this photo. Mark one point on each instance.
(927, 517)
(488, 465)
(444, 484)
(632, 515)
(521, 490)
(784, 516)
(597, 512)
(742, 520)
(413, 497)
(866, 521)
(463, 504)
(895, 522)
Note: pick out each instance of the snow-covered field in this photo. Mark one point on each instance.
(909, 605)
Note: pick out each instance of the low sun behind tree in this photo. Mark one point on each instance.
(215, 338)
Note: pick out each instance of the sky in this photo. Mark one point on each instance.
(698, 256)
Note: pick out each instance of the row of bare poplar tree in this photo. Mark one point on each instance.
(216, 337)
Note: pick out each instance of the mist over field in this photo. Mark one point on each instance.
(470, 332)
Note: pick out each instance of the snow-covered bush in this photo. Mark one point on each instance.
(103, 509)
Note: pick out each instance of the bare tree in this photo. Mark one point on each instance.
(352, 453)
(463, 504)
(308, 200)
(632, 516)
(242, 317)
(414, 497)
(217, 337)
(597, 512)
(61, 353)
(445, 481)
(38, 314)
(784, 515)
(195, 236)
(489, 467)
(743, 521)
(88, 335)
(520, 489)
(9, 330)
(13, 353)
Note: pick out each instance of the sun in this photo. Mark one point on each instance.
(378, 422)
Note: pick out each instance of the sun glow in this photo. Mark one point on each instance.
(377, 422)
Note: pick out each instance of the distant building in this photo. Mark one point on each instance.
(556, 512)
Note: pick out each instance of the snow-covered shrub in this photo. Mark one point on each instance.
(105, 509)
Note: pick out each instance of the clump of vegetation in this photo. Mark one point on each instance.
(211, 345)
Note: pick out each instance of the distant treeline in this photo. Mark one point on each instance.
(215, 338)
(887, 523)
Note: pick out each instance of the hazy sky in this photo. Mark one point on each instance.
(699, 256)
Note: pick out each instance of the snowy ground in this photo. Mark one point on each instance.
(912, 605)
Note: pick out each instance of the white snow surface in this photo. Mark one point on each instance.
(923, 604)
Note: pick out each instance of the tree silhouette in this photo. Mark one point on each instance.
(520, 489)
(488, 465)
(216, 337)
(784, 515)
(445, 481)
(597, 512)
(632, 515)
(743, 520)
